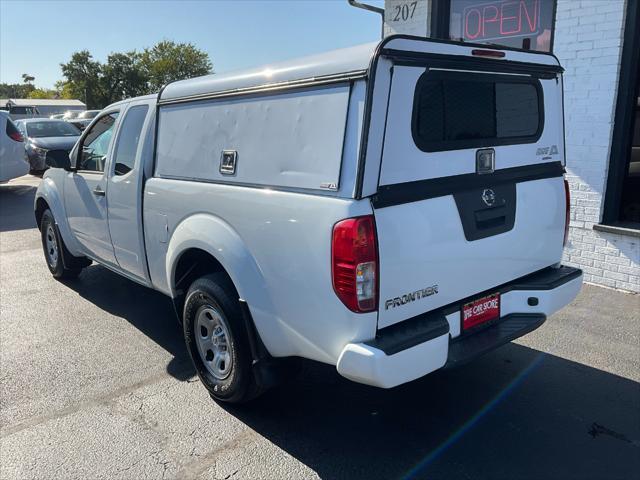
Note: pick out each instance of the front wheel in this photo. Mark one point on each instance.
(217, 341)
(54, 248)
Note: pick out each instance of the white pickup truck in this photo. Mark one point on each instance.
(390, 209)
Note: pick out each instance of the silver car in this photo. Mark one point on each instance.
(13, 163)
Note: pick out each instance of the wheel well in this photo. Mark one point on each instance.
(41, 206)
(192, 264)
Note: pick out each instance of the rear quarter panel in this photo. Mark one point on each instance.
(275, 245)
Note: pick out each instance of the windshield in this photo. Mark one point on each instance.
(51, 129)
(71, 114)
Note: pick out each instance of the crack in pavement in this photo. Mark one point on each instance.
(203, 462)
(91, 402)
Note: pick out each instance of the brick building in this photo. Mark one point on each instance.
(598, 44)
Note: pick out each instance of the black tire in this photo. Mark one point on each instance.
(212, 305)
(54, 249)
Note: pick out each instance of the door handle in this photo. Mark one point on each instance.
(98, 192)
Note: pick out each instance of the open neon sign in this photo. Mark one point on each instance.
(501, 19)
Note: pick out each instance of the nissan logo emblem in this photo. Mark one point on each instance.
(489, 197)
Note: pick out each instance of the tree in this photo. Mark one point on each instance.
(64, 89)
(83, 74)
(168, 61)
(42, 93)
(15, 90)
(122, 77)
(129, 74)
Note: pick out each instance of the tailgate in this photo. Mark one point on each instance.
(470, 192)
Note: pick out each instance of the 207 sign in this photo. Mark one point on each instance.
(403, 11)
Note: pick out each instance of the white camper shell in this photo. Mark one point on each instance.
(388, 209)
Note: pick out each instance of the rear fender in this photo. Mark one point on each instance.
(216, 237)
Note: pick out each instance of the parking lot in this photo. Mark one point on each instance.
(96, 383)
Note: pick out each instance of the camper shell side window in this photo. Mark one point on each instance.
(454, 110)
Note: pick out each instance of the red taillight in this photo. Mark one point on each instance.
(12, 132)
(567, 196)
(354, 263)
(17, 136)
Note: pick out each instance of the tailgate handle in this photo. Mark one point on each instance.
(490, 217)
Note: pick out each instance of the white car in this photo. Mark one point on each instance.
(13, 160)
(390, 209)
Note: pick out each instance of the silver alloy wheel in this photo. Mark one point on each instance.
(212, 334)
(51, 243)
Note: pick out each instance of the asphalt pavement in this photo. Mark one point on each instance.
(95, 383)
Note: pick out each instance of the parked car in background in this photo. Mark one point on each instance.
(13, 162)
(47, 141)
(89, 114)
(57, 116)
(71, 114)
(84, 118)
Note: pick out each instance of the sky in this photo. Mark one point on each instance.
(36, 36)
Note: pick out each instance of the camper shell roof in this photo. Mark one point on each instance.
(336, 65)
(354, 60)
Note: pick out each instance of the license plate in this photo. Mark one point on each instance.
(481, 311)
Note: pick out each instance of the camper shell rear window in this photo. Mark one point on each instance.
(455, 110)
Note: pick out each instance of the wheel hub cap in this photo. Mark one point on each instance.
(212, 334)
(51, 244)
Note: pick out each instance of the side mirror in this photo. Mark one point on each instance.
(60, 161)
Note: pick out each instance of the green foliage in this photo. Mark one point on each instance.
(15, 90)
(130, 74)
(168, 61)
(42, 93)
(83, 74)
(64, 89)
(122, 77)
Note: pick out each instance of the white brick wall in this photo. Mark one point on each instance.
(588, 42)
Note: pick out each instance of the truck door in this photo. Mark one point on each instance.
(124, 197)
(85, 190)
(471, 194)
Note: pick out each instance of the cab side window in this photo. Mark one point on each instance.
(95, 146)
(124, 157)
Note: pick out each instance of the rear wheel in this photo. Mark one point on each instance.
(217, 341)
(54, 249)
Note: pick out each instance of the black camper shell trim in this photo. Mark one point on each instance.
(408, 192)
